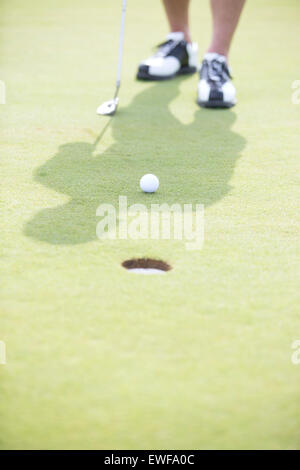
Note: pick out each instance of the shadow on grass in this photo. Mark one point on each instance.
(194, 162)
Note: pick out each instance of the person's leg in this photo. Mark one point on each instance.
(177, 55)
(215, 88)
(225, 14)
(178, 16)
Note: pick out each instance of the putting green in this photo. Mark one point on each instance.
(101, 358)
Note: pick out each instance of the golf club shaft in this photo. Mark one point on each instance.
(121, 44)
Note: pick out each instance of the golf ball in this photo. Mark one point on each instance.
(149, 183)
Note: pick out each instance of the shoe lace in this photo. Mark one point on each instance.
(217, 71)
(166, 47)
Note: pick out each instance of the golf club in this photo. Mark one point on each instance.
(110, 107)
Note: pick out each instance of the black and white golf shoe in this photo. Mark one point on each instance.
(215, 88)
(174, 57)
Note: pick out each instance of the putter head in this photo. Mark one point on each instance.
(108, 108)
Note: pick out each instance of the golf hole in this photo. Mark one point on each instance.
(146, 266)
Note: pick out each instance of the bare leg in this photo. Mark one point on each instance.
(226, 14)
(177, 13)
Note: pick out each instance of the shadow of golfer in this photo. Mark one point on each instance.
(198, 159)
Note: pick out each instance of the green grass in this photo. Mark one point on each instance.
(101, 358)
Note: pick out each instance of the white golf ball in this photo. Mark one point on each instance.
(149, 183)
